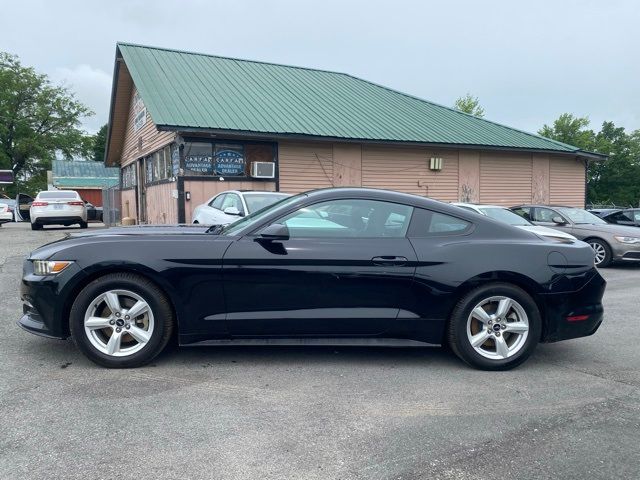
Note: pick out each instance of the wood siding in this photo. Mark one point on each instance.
(566, 182)
(128, 203)
(202, 190)
(144, 141)
(407, 170)
(505, 179)
(305, 166)
(162, 207)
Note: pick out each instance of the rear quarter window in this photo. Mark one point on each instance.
(426, 223)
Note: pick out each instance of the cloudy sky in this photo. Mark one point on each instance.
(528, 62)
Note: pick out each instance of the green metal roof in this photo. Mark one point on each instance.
(197, 91)
(84, 174)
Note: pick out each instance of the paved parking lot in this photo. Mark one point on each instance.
(572, 411)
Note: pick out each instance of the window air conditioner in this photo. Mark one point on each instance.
(263, 169)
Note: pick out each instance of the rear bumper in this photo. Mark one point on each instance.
(574, 314)
(57, 220)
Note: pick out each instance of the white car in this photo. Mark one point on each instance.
(58, 207)
(6, 215)
(229, 206)
(505, 215)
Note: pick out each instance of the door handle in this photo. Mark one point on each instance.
(389, 260)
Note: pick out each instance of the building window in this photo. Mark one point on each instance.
(129, 176)
(225, 159)
(160, 165)
(198, 158)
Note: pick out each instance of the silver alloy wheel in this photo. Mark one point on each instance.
(497, 327)
(119, 323)
(600, 252)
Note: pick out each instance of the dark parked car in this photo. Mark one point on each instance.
(344, 266)
(628, 216)
(93, 212)
(610, 243)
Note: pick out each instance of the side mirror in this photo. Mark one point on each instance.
(232, 211)
(558, 220)
(274, 233)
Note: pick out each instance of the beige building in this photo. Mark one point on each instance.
(185, 126)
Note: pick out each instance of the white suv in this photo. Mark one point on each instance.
(58, 207)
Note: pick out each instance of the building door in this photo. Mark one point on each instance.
(142, 192)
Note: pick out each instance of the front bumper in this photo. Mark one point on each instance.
(574, 314)
(626, 252)
(43, 307)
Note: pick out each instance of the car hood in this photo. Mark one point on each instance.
(609, 228)
(547, 232)
(181, 229)
(95, 235)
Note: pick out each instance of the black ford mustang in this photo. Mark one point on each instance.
(340, 266)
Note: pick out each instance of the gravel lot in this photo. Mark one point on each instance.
(572, 411)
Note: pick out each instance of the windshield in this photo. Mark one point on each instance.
(580, 216)
(505, 216)
(247, 222)
(258, 201)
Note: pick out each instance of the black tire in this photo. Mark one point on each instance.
(158, 303)
(600, 246)
(36, 226)
(83, 224)
(457, 328)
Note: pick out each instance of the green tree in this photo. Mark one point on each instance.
(98, 144)
(469, 104)
(37, 119)
(616, 180)
(571, 130)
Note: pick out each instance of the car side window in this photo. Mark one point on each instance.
(619, 217)
(217, 202)
(232, 200)
(544, 215)
(524, 212)
(426, 223)
(349, 218)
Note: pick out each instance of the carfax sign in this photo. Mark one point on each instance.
(229, 162)
(199, 163)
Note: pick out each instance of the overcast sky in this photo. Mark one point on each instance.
(528, 62)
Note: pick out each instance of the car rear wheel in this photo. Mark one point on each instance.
(602, 252)
(83, 224)
(495, 327)
(121, 320)
(36, 226)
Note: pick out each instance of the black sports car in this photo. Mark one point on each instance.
(340, 266)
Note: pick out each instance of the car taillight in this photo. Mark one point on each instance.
(39, 204)
(76, 204)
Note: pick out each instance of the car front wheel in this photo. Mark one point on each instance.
(495, 327)
(121, 320)
(602, 252)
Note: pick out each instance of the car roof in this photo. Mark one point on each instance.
(389, 196)
(542, 206)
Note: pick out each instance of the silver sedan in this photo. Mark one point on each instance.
(611, 243)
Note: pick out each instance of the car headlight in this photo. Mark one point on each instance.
(627, 239)
(49, 267)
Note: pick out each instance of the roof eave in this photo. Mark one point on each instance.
(114, 85)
